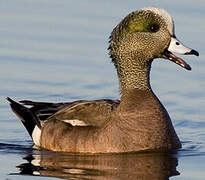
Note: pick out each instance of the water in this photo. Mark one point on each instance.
(56, 51)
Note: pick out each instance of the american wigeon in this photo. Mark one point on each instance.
(136, 122)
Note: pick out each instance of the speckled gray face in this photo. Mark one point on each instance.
(175, 45)
(164, 15)
(138, 39)
(144, 24)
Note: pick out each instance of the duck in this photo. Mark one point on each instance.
(136, 122)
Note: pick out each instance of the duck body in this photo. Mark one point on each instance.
(110, 126)
(136, 122)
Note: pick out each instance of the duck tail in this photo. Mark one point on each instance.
(29, 120)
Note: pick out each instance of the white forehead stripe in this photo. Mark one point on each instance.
(165, 15)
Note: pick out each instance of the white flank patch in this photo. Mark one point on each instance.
(74, 171)
(76, 122)
(36, 135)
(165, 15)
(36, 173)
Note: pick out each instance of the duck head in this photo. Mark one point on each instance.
(138, 39)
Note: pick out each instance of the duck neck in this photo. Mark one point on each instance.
(134, 76)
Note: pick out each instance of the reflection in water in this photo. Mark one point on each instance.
(124, 166)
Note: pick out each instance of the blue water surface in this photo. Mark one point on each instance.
(56, 50)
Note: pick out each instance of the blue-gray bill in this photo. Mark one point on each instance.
(176, 46)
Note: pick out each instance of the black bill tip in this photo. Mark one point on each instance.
(188, 67)
(194, 52)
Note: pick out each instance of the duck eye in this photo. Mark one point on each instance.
(154, 27)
